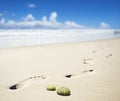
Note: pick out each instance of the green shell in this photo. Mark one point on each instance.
(51, 88)
(63, 91)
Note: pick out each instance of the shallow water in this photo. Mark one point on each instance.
(13, 38)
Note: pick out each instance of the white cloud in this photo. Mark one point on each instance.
(29, 17)
(30, 22)
(70, 24)
(31, 5)
(104, 25)
(53, 17)
(11, 23)
(44, 19)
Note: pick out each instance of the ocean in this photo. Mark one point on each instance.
(15, 38)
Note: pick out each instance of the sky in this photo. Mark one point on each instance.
(65, 14)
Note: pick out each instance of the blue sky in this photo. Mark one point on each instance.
(63, 13)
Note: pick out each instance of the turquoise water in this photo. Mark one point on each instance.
(13, 38)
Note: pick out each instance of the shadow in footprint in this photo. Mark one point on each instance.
(91, 70)
(69, 75)
(14, 87)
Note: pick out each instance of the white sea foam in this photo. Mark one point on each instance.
(12, 38)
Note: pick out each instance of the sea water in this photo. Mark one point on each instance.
(14, 38)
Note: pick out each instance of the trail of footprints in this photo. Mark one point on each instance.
(89, 61)
(27, 81)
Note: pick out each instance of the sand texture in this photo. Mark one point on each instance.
(91, 70)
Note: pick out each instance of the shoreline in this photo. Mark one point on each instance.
(59, 43)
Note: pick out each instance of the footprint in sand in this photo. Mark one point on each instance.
(25, 82)
(72, 75)
(103, 51)
(109, 55)
(99, 51)
(88, 61)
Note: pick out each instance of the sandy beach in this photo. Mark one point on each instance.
(91, 70)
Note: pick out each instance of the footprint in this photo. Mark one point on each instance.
(88, 61)
(109, 55)
(91, 70)
(72, 75)
(25, 83)
(97, 51)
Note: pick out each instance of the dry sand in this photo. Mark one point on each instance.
(92, 70)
